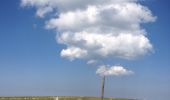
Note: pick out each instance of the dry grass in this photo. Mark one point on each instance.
(57, 98)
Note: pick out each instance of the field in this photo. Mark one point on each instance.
(57, 98)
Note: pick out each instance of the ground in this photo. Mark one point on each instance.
(58, 98)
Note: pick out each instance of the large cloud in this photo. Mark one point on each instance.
(94, 29)
(66, 5)
(93, 45)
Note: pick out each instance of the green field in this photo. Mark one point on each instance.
(57, 98)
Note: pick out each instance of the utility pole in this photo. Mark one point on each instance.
(103, 83)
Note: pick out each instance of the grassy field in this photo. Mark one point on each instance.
(57, 98)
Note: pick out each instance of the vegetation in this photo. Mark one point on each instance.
(57, 98)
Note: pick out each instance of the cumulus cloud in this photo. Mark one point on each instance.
(104, 45)
(94, 29)
(65, 5)
(113, 71)
(73, 52)
(92, 61)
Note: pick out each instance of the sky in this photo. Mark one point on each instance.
(34, 61)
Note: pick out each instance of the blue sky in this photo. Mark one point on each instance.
(30, 62)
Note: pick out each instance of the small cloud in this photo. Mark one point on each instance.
(73, 53)
(41, 12)
(105, 70)
(92, 62)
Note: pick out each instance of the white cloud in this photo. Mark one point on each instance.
(127, 46)
(113, 71)
(111, 17)
(68, 5)
(92, 61)
(97, 28)
(73, 52)
(42, 11)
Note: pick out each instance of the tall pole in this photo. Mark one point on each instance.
(103, 82)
